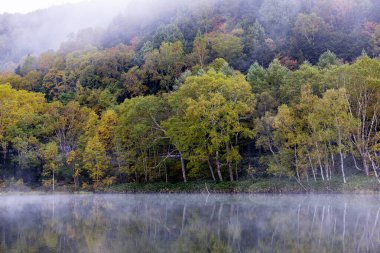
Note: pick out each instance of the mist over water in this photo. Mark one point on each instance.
(189, 223)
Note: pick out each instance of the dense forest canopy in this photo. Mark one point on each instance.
(291, 29)
(218, 90)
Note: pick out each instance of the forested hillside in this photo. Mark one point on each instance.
(215, 90)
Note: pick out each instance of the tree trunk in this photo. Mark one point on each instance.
(320, 166)
(145, 168)
(76, 183)
(312, 168)
(298, 174)
(218, 167)
(166, 173)
(342, 166)
(236, 164)
(229, 165)
(211, 169)
(375, 169)
(236, 171)
(328, 177)
(365, 164)
(230, 172)
(355, 163)
(332, 159)
(330, 172)
(296, 161)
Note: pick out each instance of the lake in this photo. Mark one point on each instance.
(189, 223)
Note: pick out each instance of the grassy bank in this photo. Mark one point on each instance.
(356, 184)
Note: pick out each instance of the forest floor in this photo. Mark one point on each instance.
(355, 184)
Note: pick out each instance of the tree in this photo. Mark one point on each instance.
(29, 63)
(106, 129)
(278, 14)
(200, 50)
(51, 160)
(54, 84)
(257, 46)
(220, 65)
(289, 136)
(33, 81)
(167, 34)
(276, 76)
(327, 60)
(254, 37)
(166, 64)
(264, 129)
(361, 81)
(133, 82)
(257, 76)
(138, 137)
(46, 61)
(308, 25)
(312, 131)
(96, 160)
(68, 122)
(205, 126)
(225, 45)
(89, 128)
(74, 161)
(292, 137)
(16, 106)
(333, 110)
(290, 88)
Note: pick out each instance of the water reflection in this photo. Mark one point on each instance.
(190, 223)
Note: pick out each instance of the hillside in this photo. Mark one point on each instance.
(176, 91)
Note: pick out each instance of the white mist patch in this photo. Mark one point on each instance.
(25, 6)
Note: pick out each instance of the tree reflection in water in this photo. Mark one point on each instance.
(189, 223)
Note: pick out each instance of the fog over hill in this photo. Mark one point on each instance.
(342, 26)
(42, 30)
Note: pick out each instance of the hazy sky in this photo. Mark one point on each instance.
(24, 6)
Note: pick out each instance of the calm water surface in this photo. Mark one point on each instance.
(190, 223)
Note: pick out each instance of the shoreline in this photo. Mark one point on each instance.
(354, 185)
